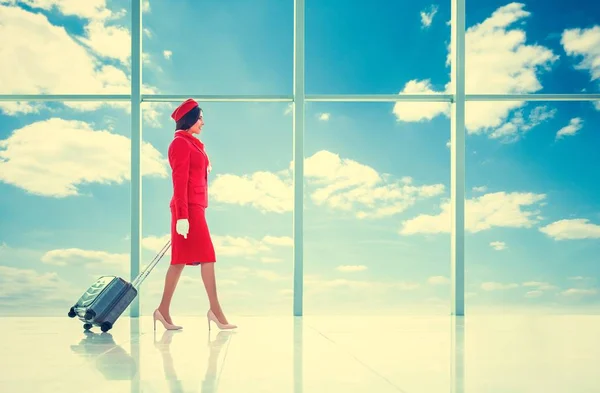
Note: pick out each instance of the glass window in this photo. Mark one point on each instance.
(524, 48)
(249, 213)
(380, 47)
(64, 203)
(532, 222)
(370, 175)
(233, 47)
(69, 47)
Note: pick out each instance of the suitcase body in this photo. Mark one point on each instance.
(106, 299)
(104, 302)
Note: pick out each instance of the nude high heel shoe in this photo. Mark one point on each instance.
(210, 316)
(158, 316)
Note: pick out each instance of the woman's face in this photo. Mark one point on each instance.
(196, 128)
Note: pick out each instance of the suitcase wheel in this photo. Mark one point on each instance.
(106, 326)
(72, 313)
(89, 315)
(87, 326)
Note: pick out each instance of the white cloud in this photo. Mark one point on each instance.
(46, 59)
(318, 284)
(346, 184)
(579, 292)
(499, 209)
(576, 278)
(438, 280)
(264, 191)
(480, 189)
(238, 246)
(341, 184)
(284, 241)
(541, 286)
(574, 126)
(270, 260)
(579, 228)
(67, 66)
(533, 294)
(108, 41)
(72, 257)
(289, 109)
(512, 130)
(324, 116)
(351, 268)
(584, 44)
(498, 246)
(427, 16)
(167, 54)
(286, 292)
(498, 61)
(270, 275)
(28, 288)
(156, 244)
(89, 9)
(74, 155)
(244, 274)
(231, 246)
(419, 111)
(146, 6)
(496, 286)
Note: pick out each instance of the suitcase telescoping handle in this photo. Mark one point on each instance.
(142, 276)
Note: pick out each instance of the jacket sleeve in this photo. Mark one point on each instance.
(179, 159)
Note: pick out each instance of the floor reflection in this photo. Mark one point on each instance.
(209, 383)
(491, 353)
(457, 354)
(109, 358)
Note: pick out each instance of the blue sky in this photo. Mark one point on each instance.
(377, 174)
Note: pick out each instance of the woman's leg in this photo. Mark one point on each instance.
(208, 277)
(171, 280)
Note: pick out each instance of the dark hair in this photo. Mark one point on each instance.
(189, 119)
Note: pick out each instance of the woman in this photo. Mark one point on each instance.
(190, 238)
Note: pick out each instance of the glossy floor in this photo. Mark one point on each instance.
(516, 354)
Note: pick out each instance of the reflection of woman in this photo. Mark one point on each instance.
(209, 382)
(191, 243)
(164, 347)
(210, 378)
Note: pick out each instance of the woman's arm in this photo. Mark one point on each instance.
(179, 158)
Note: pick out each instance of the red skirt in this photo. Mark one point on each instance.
(198, 247)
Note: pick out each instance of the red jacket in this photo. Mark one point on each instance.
(190, 166)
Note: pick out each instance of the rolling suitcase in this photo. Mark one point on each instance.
(104, 302)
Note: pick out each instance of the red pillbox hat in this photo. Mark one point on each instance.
(184, 108)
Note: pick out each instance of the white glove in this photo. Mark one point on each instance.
(183, 227)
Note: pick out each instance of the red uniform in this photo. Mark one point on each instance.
(189, 163)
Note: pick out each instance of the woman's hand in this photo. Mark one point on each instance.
(183, 227)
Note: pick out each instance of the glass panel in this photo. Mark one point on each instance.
(64, 203)
(233, 47)
(533, 222)
(249, 214)
(384, 47)
(532, 47)
(369, 177)
(69, 47)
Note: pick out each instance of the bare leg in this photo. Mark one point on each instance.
(208, 277)
(171, 280)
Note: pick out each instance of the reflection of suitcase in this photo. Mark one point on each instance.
(104, 302)
(109, 358)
